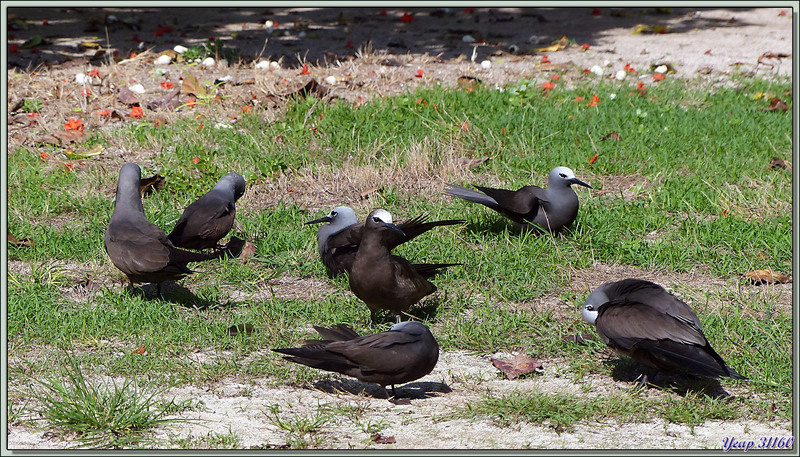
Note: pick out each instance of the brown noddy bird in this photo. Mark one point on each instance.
(139, 248)
(338, 240)
(531, 207)
(209, 218)
(385, 281)
(407, 352)
(641, 320)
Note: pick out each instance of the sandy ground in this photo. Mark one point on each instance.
(710, 43)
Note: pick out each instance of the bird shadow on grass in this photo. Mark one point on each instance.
(499, 225)
(411, 391)
(173, 292)
(627, 370)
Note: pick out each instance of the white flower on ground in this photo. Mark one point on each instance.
(137, 89)
(597, 70)
(486, 64)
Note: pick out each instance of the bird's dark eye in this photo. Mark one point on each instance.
(562, 175)
(589, 308)
(376, 219)
(333, 213)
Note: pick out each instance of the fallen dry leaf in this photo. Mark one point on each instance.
(61, 138)
(192, 87)
(19, 241)
(380, 439)
(777, 104)
(771, 55)
(472, 162)
(777, 162)
(127, 97)
(557, 46)
(151, 183)
(248, 250)
(612, 135)
(366, 193)
(168, 101)
(519, 365)
(141, 350)
(767, 277)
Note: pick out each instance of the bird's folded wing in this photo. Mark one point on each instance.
(626, 323)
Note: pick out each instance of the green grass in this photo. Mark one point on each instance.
(705, 201)
(103, 414)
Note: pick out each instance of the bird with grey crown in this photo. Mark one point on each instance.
(139, 248)
(641, 320)
(338, 240)
(531, 207)
(405, 353)
(209, 218)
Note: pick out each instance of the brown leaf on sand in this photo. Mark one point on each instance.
(519, 365)
(192, 87)
(61, 138)
(19, 241)
(767, 277)
(776, 104)
(380, 439)
(169, 101)
(127, 97)
(612, 135)
(312, 87)
(777, 162)
(151, 183)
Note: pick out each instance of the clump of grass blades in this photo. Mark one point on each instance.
(104, 415)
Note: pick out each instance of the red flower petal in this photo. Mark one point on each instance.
(658, 77)
(136, 111)
(420, 73)
(406, 18)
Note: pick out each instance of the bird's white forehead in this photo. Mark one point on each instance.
(383, 215)
(564, 170)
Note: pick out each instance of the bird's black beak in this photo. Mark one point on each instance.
(579, 182)
(397, 229)
(319, 221)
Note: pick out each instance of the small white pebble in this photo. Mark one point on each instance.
(81, 78)
(606, 63)
(661, 69)
(486, 64)
(225, 78)
(621, 74)
(137, 88)
(163, 60)
(223, 125)
(597, 69)
(331, 80)
(180, 49)
(468, 39)
(263, 64)
(208, 62)
(274, 65)
(612, 96)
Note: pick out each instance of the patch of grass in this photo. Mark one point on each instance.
(302, 429)
(103, 414)
(687, 188)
